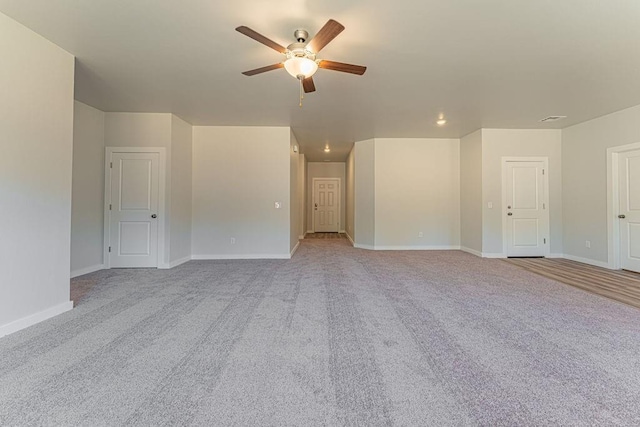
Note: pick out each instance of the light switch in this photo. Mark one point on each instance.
(278, 205)
(490, 205)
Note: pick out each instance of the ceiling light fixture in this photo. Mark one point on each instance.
(327, 149)
(300, 67)
(441, 122)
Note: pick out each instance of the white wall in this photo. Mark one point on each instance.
(498, 143)
(87, 214)
(181, 193)
(417, 189)
(325, 170)
(137, 130)
(364, 188)
(238, 174)
(471, 192)
(294, 193)
(350, 193)
(302, 194)
(584, 175)
(36, 130)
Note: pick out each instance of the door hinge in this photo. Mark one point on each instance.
(111, 165)
(109, 248)
(542, 171)
(544, 206)
(545, 241)
(109, 206)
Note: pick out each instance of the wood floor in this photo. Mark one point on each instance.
(619, 285)
(325, 236)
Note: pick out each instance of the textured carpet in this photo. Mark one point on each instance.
(619, 285)
(335, 336)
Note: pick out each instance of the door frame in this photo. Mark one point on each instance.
(613, 202)
(162, 166)
(503, 212)
(313, 200)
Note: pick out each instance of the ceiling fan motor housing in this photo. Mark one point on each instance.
(301, 35)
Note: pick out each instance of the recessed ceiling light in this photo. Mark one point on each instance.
(327, 149)
(441, 122)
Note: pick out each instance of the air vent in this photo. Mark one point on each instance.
(553, 119)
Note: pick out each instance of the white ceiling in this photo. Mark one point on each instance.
(481, 63)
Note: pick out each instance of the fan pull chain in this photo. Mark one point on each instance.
(301, 93)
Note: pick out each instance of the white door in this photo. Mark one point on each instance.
(133, 223)
(629, 184)
(526, 211)
(326, 194)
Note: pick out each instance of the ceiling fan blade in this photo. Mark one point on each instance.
(263, 69)
(327, 33)
(345, 68)
(308, 85)
(261, 39)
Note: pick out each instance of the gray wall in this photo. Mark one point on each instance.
(364, 206)
(584, 167)
(350, 193)
(87, 214)
(417, 190)
(36, 107)
(238, 174)
(181, 192)
(471, 192)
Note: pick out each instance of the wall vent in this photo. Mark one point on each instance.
(553, 119)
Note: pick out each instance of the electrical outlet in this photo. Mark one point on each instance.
(233, 240)
(588, 244)
(420, 234)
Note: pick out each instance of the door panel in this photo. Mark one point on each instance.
(134, 201)
(525, 232)
(629, 187)
(135, 238)
(526, 214)
(326, 207)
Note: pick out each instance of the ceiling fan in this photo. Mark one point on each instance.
(301, 61)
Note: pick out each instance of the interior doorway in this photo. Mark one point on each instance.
(326, 205)
(134, 207)
(624, 207)
(525, 207)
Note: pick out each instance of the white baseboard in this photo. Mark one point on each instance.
(493, 255)
(240, 256)
(350, 239)
(301, 237)
(310, 232)
(471, 251)
(87, 270)
(343, 231)
(180, 261)
(554, 256)
(25, 322)
(416, 248)
(588, 261)
(295, 248)
(361, 246)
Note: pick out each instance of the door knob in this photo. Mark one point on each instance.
(154, 216)
(622, 216)
(510, 213)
